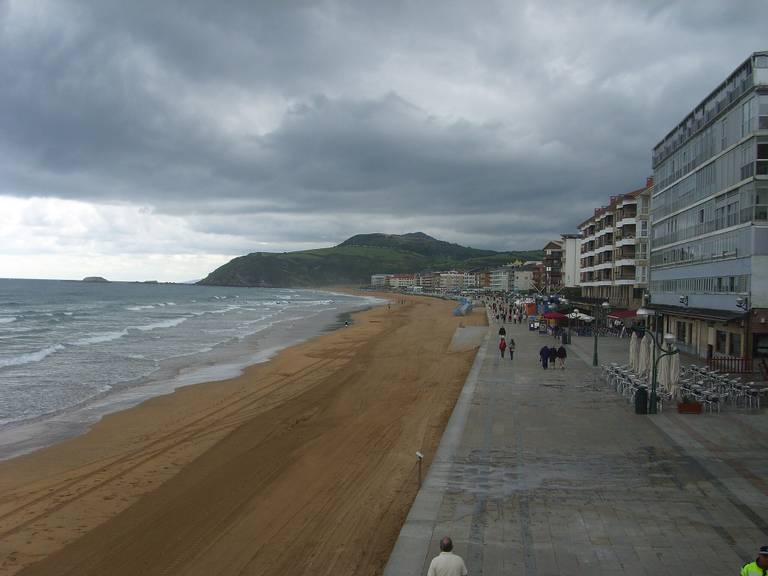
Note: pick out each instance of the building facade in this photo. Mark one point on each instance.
(709, 213)
(522, 279)
(402, 281)
(571, 244)
(614, 250)
(380, 280)
(500, 279)
(552, 277)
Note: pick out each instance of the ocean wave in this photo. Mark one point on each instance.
(164, 324)
(30, 357)
(8, 319)
(139, 308)
(98, 338)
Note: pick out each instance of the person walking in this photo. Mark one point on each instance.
(502, 331)
(553, 356)
(562, 354)
(544, 356)
(447, 563)
(759, 567)
(511, 347)
(502, 346)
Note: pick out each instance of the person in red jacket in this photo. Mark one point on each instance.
(502, 346)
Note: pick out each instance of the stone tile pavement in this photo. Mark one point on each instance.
(550, 472)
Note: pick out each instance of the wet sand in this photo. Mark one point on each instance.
(302, 465)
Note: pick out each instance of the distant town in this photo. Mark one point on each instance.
(689, 247)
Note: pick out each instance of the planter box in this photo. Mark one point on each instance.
(689, 407)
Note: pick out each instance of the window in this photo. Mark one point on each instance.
(720, 342)
(761, 62)
(735, 344)
(681, 331)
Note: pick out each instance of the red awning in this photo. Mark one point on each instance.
(620, 314)
(555, 316)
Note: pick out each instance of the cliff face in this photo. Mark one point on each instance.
(355, 260)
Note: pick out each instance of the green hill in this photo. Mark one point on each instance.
(355, 260)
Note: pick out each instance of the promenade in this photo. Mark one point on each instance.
(550, 472)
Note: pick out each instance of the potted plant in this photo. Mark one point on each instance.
(688, 405)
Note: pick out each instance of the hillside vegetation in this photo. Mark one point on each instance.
(355, 260)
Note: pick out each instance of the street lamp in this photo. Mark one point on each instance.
(596, 325)
(657, 345)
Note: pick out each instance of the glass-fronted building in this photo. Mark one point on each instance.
(709, 220)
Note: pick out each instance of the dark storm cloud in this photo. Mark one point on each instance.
(498, 124)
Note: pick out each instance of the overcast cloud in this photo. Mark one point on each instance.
(150, 139)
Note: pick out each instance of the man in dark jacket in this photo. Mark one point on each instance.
(562, 354)
(552, 355)
(544, 355)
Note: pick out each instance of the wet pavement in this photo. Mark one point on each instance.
(550, 472)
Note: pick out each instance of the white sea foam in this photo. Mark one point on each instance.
(139, 308)
(30, 357)
(100, 337)
(8, 319)
(164, 324)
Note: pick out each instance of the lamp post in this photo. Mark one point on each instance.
(653, 400)
(595, 326)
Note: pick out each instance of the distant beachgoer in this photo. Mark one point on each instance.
(346, 323)
(544, 356)
(502, 346)
(511, 348)
(447, 563)
(562, 354)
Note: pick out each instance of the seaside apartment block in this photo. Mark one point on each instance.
(709, 244)
(614, 250)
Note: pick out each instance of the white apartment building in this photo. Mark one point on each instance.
(380, 280)
(501, 279)
(571, 261)
(402, 281)
(452, 280)
(614, 250)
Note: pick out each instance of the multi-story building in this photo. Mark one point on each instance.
(380, 280)
(552, 278)
(402, 281)
(451, 280)
(471, 278)
(614, 250)
(427, 280)
(709, 214)
(500, 279)
(484, 279)
(522, 278)
(571, 244)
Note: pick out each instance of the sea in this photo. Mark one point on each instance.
(71, 351)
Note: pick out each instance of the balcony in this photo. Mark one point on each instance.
(625, 261)
(627, 221)
(625, 241)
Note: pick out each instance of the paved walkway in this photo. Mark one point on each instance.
(550, 472)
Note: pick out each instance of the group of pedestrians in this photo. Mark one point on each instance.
(502, 311)
(555, 356)
(505, 344)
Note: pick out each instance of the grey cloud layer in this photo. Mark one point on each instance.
(496, 124)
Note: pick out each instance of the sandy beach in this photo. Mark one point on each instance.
(302, 465)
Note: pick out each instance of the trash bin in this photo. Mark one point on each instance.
(641, 401)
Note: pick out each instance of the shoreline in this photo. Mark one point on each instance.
(309, 457)
(224, 361)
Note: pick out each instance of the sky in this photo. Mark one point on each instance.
(158, 139)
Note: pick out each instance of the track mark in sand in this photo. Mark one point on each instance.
(68, 493)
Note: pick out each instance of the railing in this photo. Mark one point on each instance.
(731, 364)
